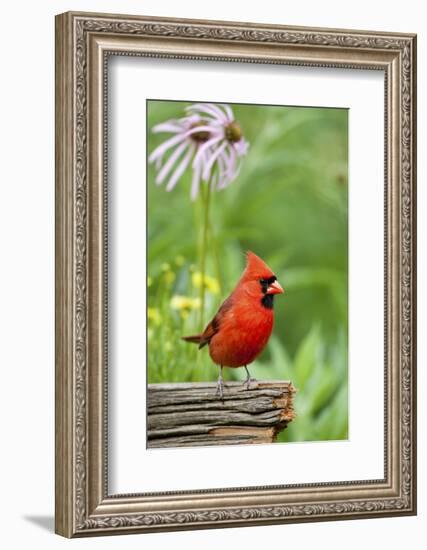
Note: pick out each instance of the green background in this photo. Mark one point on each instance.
(289, 205)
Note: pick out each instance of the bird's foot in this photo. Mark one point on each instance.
(220, 389)
(247, 383)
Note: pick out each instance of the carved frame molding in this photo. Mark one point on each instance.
(83, 43)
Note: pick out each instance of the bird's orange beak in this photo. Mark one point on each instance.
(275, 288)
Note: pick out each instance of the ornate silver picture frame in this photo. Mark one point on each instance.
(84, 42)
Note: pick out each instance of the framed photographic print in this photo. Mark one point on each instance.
(235, 274)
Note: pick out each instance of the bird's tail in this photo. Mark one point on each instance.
(196, 339)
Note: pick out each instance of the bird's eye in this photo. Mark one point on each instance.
(264, 285)
(268, 281)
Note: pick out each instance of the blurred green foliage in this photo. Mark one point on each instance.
(288, 205)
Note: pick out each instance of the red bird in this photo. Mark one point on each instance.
(243, 324)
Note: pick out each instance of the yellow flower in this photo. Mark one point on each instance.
(180, 260)
(153, 315)
(211, 284)
(169, 277)
(184, 303)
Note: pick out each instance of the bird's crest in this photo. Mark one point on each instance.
(255, 267)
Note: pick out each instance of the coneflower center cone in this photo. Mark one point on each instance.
(233, 132)
(202, 136)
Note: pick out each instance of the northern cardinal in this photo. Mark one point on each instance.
(242, 326)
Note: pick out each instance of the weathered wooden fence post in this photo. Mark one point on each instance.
(191, 414)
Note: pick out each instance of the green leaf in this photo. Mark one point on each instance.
(305, 359)
(332, 424)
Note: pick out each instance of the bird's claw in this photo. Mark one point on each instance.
(247, 383)
(220, 389)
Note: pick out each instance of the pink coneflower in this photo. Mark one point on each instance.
(209, 139)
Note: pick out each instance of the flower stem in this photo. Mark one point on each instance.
(203, 252)
(216, 259)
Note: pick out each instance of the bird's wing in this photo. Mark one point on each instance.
(215, 325)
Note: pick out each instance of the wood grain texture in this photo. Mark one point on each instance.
(187, 415)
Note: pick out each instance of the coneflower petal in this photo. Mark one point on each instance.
(171, 126)
(196, 129)
(205, 146)
(170, 162)
(232, 163)
(236, 166)
(180, 170)
(211, 160)
(228, 163)
(222, 174)
(161, 149)
(241, 147)
(228, 111)
(232, 158)
(187, 121)
(210, 109)
(223, 177)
